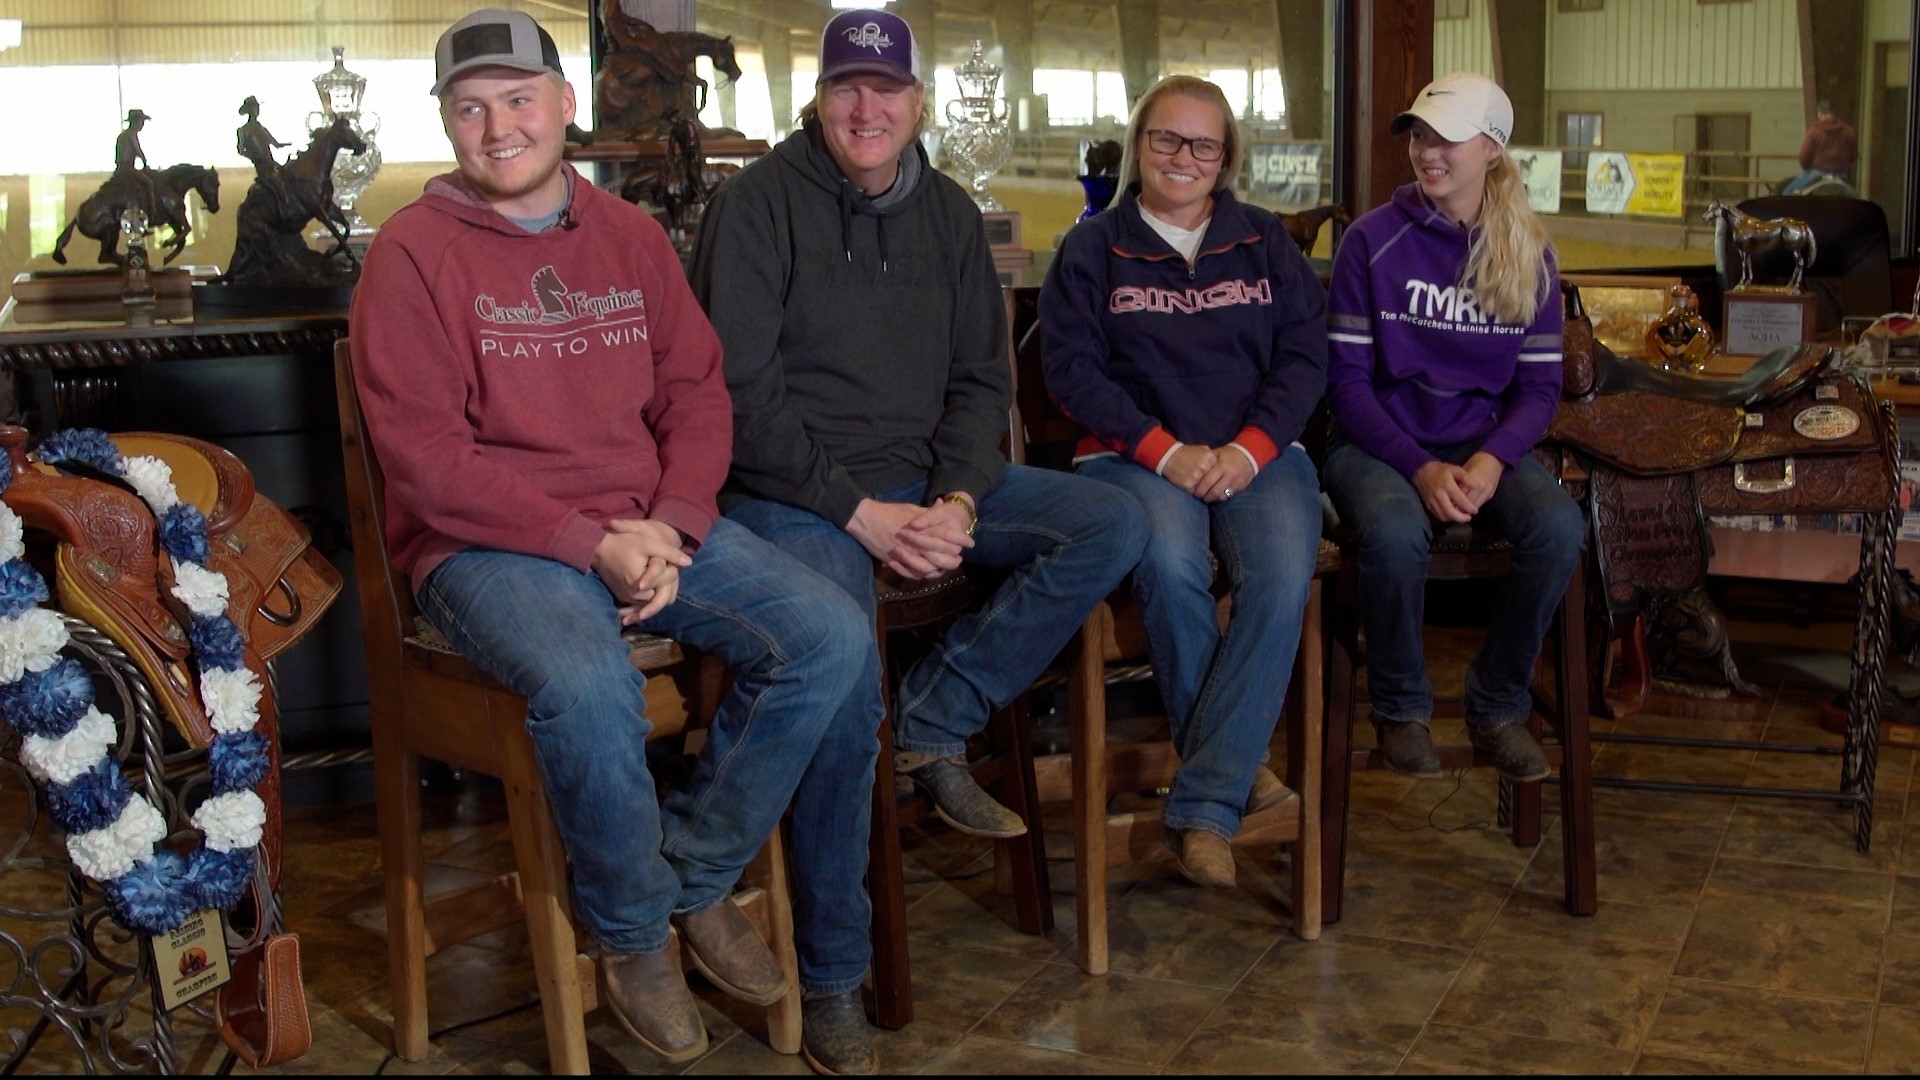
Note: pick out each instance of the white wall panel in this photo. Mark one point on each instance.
(1674, 45)
(1464, 44)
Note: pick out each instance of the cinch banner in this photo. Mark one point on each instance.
(1656, 188)
(1540, 171)
(1287, 173)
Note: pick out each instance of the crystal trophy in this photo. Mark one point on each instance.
(136, 287)
(977, 140)
(340, 93)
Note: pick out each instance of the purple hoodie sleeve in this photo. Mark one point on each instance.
(1350, 394)
(1527, 408)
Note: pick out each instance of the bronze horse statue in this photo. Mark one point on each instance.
(1304, 226)
(1750, 234)
(679, 184)
(267, 243)
(306, 189)
(646, 76)
(99, 217)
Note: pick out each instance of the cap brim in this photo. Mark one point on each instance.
(1450, 128)
(463, 67)
(867, 67)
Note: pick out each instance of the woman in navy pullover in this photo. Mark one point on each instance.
(1186, 333)
(1445, 321)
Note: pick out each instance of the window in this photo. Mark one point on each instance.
(1450, 9)
(1580, 129)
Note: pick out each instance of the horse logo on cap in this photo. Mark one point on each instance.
(868, 36)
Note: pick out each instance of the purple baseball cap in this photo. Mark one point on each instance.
(868, 43)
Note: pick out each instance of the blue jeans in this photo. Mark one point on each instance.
(798, 726)
(1546, 530)
(1223, 691)
(1067, 542)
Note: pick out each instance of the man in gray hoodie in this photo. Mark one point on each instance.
(866, 352)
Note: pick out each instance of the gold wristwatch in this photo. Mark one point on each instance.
(964, 503)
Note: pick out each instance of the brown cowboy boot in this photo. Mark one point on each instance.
(730, 952)
(650, 999)
(1268, 791)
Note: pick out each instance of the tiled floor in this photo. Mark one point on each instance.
(1734, 935)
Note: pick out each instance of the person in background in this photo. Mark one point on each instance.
(1828, 149)
(1445, 321)
(546, 400)
(1197, 409)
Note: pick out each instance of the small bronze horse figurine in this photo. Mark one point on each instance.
(99, 216)
(1304, 226)
(1751, 234)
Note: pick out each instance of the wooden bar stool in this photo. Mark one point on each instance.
(1112, 645)
(1006, 771)
(428, 701)
(1459, 554)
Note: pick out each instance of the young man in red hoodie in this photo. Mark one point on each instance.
(546, 400)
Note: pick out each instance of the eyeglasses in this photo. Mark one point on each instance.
(1170, 142)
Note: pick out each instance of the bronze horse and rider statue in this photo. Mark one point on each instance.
(268, 246)
(99, 216)
(647, 77)
(160, 195)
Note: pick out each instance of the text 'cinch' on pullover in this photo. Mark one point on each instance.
(523, 389)
(1416, 363)
(1145, 350)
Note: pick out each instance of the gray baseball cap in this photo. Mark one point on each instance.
(493, 37)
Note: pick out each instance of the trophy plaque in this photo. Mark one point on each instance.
(1758, 321)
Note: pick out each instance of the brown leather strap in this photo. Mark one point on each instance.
(262, 1011)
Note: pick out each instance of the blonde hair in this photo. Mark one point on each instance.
(1200, 90)
(1506, 265)
(811, 110)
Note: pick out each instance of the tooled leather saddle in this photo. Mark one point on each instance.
(1655, 452)
(110, 572)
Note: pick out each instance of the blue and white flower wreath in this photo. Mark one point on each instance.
(112, 834)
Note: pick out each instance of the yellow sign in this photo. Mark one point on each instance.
(1657, 185)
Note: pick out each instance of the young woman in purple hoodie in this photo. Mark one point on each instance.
(1445, 323)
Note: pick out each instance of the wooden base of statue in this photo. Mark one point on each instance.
(642, 151)
(94, 286)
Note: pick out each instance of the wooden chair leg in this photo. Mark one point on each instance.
(1527, 809)
(1576, 767)
(1025, 856)
(397, 791)
(1336, 762)
(543, 876)
(1087, 739)
(1303, 767)
(770, 870)
(886, 885)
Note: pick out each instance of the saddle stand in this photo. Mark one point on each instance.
(110, 572)
(1654, 453)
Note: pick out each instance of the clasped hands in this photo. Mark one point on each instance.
(1457, 492)
(1212, 474)
(640, 562)
(916, 542)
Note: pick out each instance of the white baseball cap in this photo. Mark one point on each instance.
(1459, 106)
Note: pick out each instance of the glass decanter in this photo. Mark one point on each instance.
(1680, 339)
